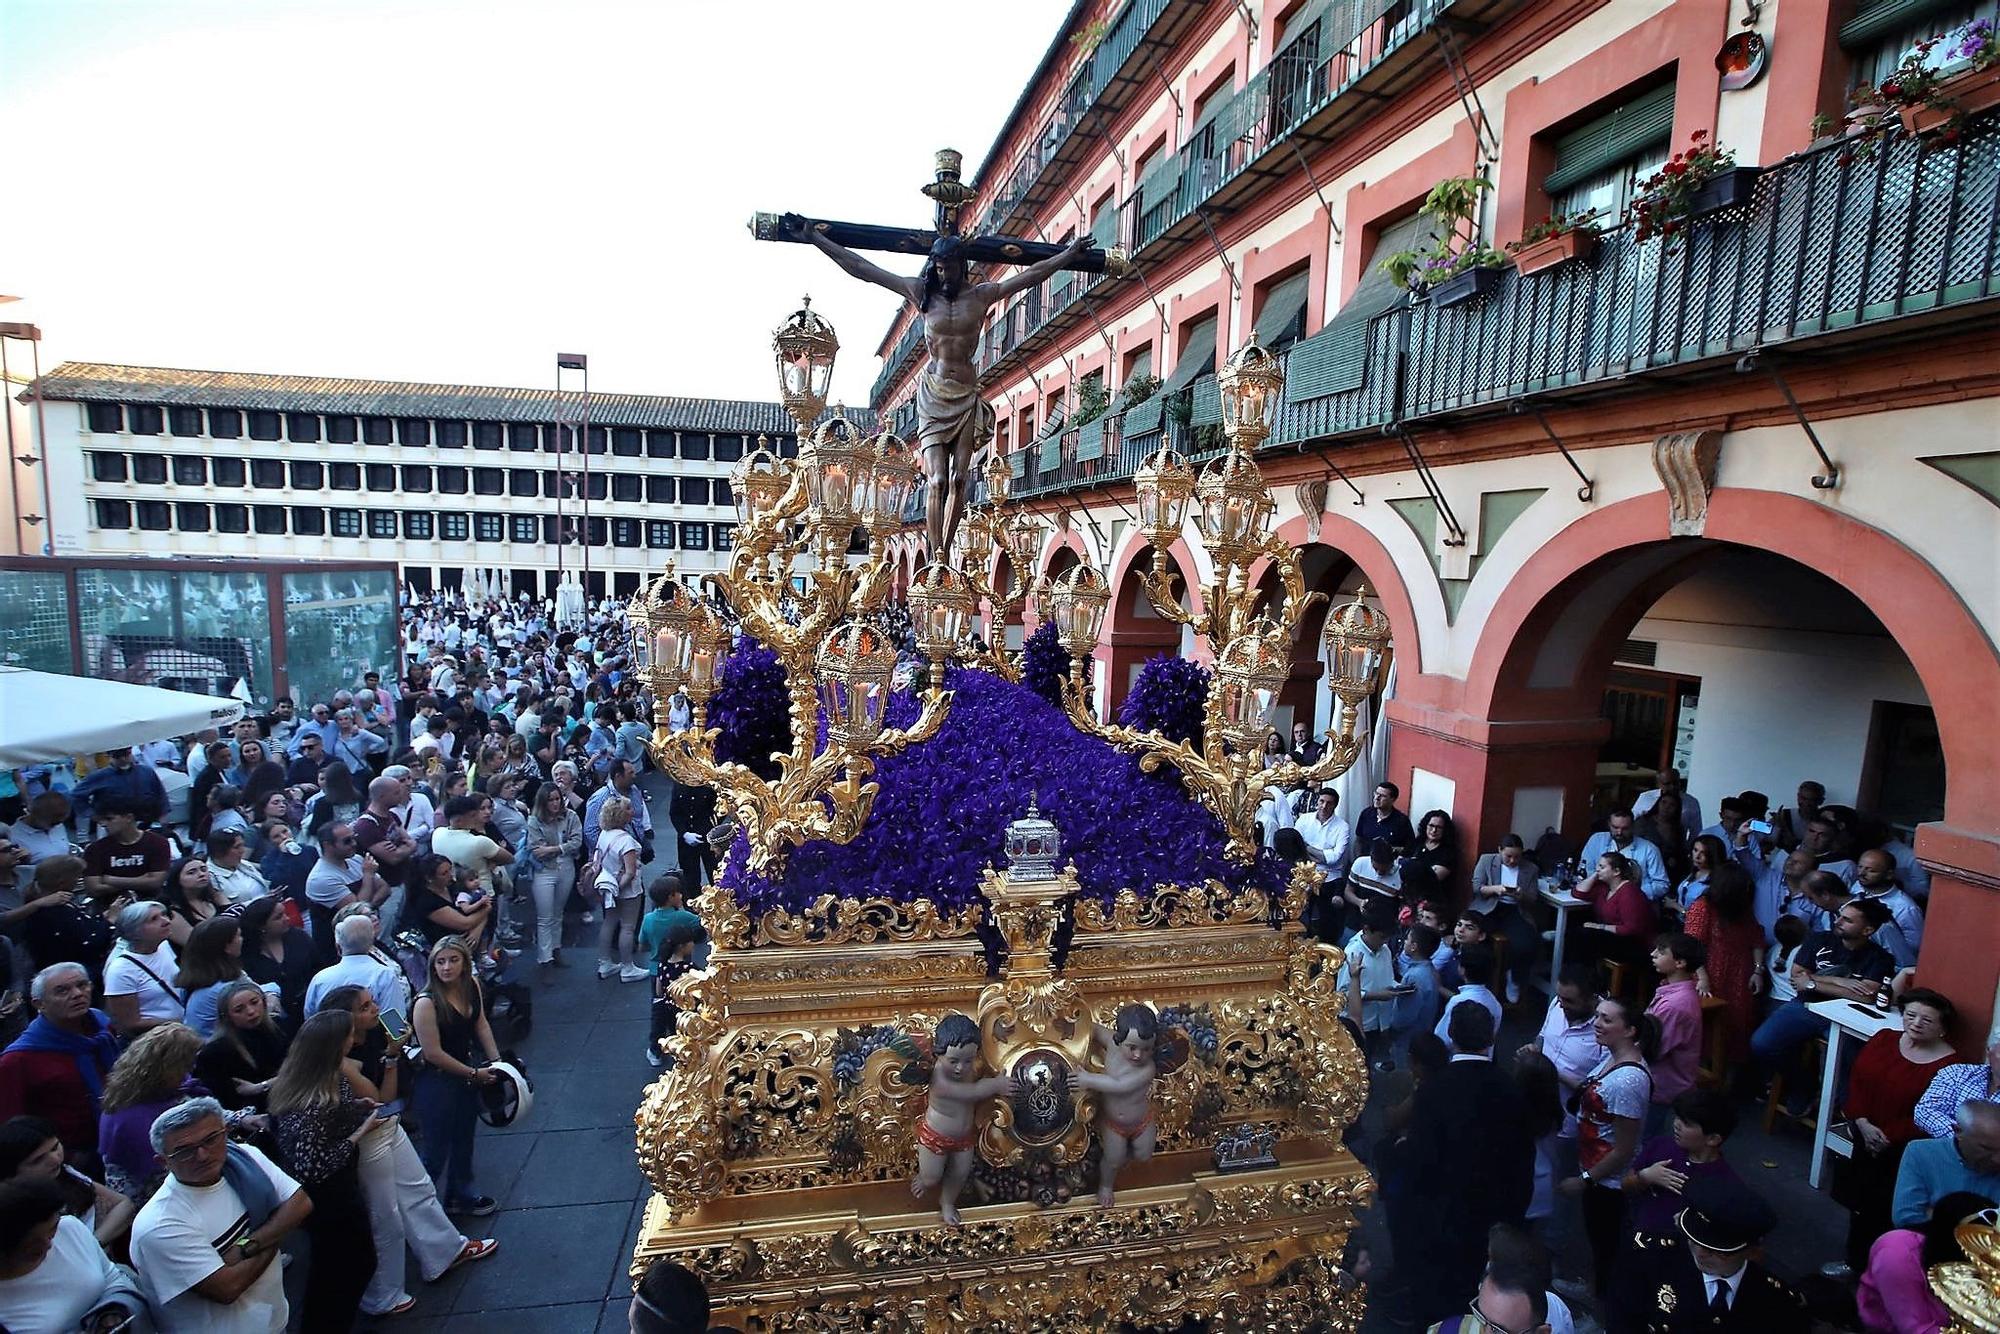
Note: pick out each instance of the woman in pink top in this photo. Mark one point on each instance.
(1621, 923)
(1895, 1297)
(1677, 1008)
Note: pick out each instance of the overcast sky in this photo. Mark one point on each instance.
(455, 190)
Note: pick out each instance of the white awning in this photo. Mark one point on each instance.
(45, 716)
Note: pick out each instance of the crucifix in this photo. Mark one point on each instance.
(954, 425)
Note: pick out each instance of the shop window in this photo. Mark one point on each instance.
(107, 467)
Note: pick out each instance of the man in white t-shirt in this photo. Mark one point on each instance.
(206, 1254)
(461, 839)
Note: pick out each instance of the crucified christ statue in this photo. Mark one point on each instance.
(953, 423)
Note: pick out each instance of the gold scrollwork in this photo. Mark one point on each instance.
(831, 920)
(1212, 904)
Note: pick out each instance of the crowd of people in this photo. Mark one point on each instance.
(256, 985)
(1690, 943)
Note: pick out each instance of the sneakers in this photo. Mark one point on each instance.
(473, 1250)
(605, 969)
(1513, 992)
(404, 1307)
(632, 972)
(479, 1206)
(653, 1057)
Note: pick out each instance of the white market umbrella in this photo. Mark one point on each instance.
(45, 716)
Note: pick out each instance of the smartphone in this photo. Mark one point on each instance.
(1758, 827)
(389, 1109)
(394, 1024)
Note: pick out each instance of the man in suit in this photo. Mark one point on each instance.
(1503, 884)
(692, 811)
(1709, 1280)
(1470, 1158)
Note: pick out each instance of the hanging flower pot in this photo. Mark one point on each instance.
(1724, 190)
(1550, 251)
(1463, 287)
(1963, 94)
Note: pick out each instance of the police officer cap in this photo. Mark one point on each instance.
(1724, 1215)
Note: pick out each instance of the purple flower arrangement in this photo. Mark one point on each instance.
(1170, 697)
(941, 816)
(1044, 664)
(752, 705)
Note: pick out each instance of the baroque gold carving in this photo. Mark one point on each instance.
(1212, 904)
(842, 921)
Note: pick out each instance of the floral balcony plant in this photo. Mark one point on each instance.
(1457, 266)
(1946, 79)
(1700, 179)
(1556, 239)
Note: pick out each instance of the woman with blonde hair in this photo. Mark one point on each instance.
(616, 883)
(239, 1063)
(319, 1122)
(150, 1077)
(555, 836)
(403, 1207)
(450, 1022)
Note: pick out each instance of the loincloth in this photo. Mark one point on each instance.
(951, 415)
(1129, 1132)
(937, 1142)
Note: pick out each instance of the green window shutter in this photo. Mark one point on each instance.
(1143, 418)
(1336, 361)
(1197, 356)
(1644, 121)
(1207, 402)
(1876, 19)
(1283, 317)
(1017, 463)
(1090, 441)
(1052, 452)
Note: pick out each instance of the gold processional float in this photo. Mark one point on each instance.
(1131, 1110)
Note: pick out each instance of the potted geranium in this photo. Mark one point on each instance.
(1457, 266)
(1555, 240)
(1702, 178)
(1945, 79)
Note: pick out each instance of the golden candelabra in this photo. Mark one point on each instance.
(1252, 645)
(1970, 1289)
(794, 589)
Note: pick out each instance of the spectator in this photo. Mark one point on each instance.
(358, 966)
(129, 788)
(1471, 1156)
(1568, 1037)
(616, 883)
(1611, 1105)
(379, 833)
(1502, 882)
(338, 799)
(1934, 1168)
(42, 832)
(1382, 820)
(1421, 994)
(1724, 922)
(64, 925)
(438, 908)
(146, 1081)
(462, 840)
(1328, 841)
(30, 1150)
(1705, 854)
(129, 859)
(1956, 1085)
(673, 960)
(1655, 1184)
(669, 909)
(1888, 1077)
(1903, 934)
(1621, 924)
(450, 1024)
(1477, 960)
(140, 990)
(318, 1122)
(1713, 1282)
(621, 784)
(403, 1209)
(56, 1068)
(1378, 876)
(1671, 784)
(1368, 976)
(278, 957)
(1541, 1093)
(190, 897)
(1844, 962)
(1676, 1009)
(354, 748)
(239, 1062)
(554, 840)
(206, 1243)
(54, 1275)
(1896, 1295)
(340, 877)
(212, 961)
(1431, 869)
(234, 877)
(669, 1300)
(1646, 869)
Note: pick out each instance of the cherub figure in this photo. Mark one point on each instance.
(1137, 1050)
(945, 1133)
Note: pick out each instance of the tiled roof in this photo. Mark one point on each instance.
(95, 382)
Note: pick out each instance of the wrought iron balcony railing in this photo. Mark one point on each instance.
(1833, 241)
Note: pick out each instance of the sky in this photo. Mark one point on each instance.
(456, 190)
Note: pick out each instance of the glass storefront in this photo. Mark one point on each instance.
(207, 633)
(34, 621)
(338, 624)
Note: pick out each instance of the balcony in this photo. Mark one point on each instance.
(1832, 246)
